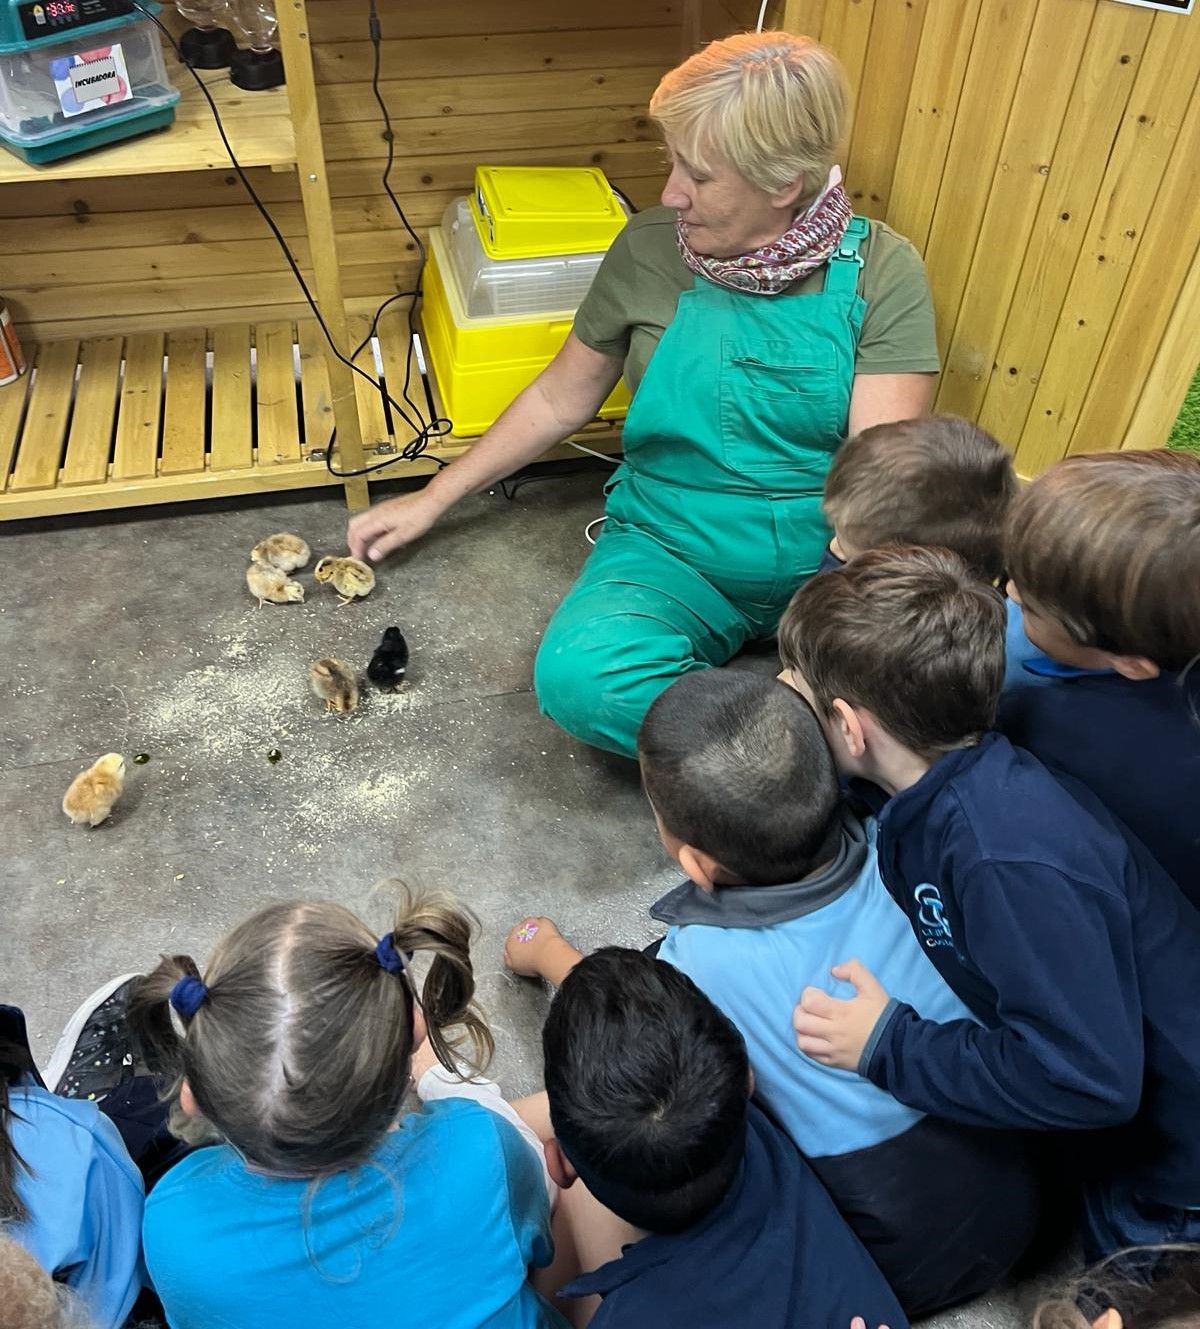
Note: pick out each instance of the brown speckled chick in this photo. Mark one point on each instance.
(334, 683)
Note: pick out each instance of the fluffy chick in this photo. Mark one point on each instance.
(390, 661)
(350, 577)
(267, 583)
(334, 683)
(92, 795)
(283, 551)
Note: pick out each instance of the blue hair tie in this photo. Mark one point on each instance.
(188, 995)
(387, 956)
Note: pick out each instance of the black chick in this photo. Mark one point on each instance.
(390, 661)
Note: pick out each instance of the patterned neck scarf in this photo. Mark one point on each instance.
(804, 247)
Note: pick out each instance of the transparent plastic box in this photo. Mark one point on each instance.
(511, 287)
(41, 113)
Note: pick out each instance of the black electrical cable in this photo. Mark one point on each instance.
(417, 445)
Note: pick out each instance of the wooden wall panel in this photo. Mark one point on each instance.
(504, 81)
(1044, 156)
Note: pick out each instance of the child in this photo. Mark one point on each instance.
(1069, 944)
(31, 1299)
(1104, 555)
(1164, 1294)
(648, 1087)
(324, 1206)
(69, 1193)
(783, 884)
(939, 481)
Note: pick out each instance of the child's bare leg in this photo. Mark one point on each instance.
(586, 1235)
(536, 949)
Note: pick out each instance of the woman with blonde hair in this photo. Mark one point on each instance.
(759, 323)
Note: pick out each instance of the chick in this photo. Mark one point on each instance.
(283, 551)
(390, 661)
(334, 683)
(92, 794)
(268, 583)
(351, 577)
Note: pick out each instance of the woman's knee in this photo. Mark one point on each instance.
(571, 679)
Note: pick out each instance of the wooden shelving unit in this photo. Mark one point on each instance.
(123, 421)
(116, 421)
(259, 125)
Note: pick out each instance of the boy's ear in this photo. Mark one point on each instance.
(1136, 668)
(187, 1101)
(558, 1165)
(702, 868)
(845, 722)
(1111, 1319)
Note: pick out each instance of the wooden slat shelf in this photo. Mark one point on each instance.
(258, 124)
(112, 421)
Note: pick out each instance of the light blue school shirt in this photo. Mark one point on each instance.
(437, 1229)
(84, 1196)
(755, 974)
(1018, 650)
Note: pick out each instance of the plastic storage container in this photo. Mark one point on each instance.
(512, 287)
(480, 363)
(535, 211)
(96, 85)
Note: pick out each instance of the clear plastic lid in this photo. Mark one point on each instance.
(51, 92)
(512, 287)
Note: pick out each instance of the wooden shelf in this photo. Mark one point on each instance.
(153, 417)
(259, 126)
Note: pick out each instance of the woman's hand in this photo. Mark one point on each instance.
(391, 525)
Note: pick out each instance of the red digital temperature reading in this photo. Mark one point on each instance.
(61, 9)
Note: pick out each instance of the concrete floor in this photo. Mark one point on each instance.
(135, 633)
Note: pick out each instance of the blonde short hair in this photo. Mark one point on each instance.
(771, 103)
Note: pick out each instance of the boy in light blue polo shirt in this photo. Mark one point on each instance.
(783, 883)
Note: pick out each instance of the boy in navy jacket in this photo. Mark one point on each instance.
(1064, 938)
(937, 480)
(1104, 555)
(782, 883)
(709, 1210)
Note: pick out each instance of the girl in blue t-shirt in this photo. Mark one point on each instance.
(323, 1205)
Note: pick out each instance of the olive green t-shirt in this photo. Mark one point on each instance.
(635, 292)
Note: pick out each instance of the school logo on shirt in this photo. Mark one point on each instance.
(932, 926)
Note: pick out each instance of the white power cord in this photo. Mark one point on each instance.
(587, 530)
(762, 14)
(591, 452)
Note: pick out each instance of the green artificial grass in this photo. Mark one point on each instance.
(1186, 433)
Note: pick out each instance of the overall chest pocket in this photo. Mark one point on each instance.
(783, 406)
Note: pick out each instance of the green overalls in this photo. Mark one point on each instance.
(715, 515)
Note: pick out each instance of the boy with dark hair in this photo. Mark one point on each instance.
(783, 883)
(938, 481)
(1104, 555)
(1067, 942)
(648, 1087)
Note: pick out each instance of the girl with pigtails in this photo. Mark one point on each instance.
(324, 1204)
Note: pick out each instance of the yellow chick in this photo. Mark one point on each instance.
(334, 683)
(93, 794)
(351, 577)
(267, 583)
(283, 551)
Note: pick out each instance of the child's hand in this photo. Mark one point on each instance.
(535, 948)
(832, 1031)
(859, 1323)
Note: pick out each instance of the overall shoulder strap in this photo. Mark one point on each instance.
(845, 266)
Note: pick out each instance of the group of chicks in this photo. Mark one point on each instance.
(93, 793)
(272, 559)
(335, 683)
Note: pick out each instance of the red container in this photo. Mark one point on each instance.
(12, 362)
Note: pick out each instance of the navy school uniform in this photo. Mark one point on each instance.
(775, 1251)
(1136, 745)
(1079, 956)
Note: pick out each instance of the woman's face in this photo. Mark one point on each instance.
(724, 214)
